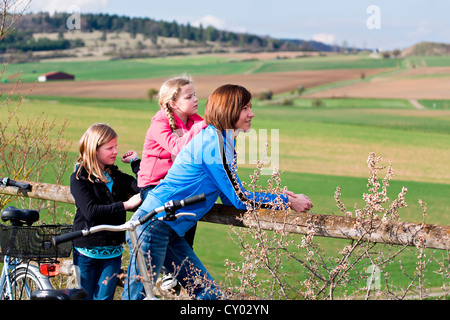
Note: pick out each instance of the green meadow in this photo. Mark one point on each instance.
(206, 65)
(321, 146)
(320, 149)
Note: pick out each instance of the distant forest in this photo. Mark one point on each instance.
(22, 37)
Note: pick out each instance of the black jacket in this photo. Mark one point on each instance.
(97, 205)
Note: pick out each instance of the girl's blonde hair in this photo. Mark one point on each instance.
(170, 91)
(97, 135)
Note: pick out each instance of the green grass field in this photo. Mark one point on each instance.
(320, 147)
(205, 65)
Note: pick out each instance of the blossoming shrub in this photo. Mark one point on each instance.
(280, 265)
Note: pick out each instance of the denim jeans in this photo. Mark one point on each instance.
(167, 249)
(144, 191)
(98, 276)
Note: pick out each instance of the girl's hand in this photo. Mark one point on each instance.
(127, 157)
(133, 202)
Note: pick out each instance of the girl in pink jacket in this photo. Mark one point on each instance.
(170, 130)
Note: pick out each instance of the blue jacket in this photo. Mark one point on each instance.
(204, 165)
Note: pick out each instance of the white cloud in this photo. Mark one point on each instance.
(210, 20)
(423, 29)
(52, 6)
(324, 37)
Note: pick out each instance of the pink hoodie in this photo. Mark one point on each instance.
(162, 146)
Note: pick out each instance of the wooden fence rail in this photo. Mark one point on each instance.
(396, 233)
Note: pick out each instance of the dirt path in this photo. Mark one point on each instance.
(416, 104)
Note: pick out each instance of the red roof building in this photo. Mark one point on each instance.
(54, 76)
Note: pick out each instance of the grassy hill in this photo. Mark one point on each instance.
(41, 35)
(428, 49)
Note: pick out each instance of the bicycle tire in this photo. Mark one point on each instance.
(25, 279)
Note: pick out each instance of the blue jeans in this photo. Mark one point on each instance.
(167, 249)
(144, 191)
(98, 276)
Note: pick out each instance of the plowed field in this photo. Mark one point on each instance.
(277, 82)
(422, 83)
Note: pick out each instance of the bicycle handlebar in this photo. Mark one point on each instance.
(7, 182)
(192, 200)
(170, 208)
(68, 237)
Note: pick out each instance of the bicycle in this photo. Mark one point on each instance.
(170, 208)
(29, 256)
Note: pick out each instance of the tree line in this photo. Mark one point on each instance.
(150, 28)
(24, 41)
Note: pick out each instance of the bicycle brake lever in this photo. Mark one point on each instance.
(185, 214)
(176, 216)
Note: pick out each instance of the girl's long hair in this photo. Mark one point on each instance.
(97, 135)
(170, 91)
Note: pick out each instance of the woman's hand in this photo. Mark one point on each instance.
(133, 202)
(299, 202)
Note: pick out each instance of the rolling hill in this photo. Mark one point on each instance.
(41, 35)
(427, 49)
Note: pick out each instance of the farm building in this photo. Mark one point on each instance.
(56, 75)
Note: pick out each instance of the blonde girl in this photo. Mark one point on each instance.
(102, 195)
(170, 130)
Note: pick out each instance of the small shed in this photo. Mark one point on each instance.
(55, 75)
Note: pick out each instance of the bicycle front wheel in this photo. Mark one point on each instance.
(24, 281)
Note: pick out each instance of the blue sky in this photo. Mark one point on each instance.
(399, 23)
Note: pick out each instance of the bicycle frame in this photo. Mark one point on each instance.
(131, 226)
(170, 208)
(7, 267)
(70, 293)
(11, 264)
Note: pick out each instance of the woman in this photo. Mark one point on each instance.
(102, 195)
(203, 166)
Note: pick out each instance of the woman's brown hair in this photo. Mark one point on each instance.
(224, 106)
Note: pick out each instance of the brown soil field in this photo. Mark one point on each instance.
(204, 85)
(422, 83)
(270, 55)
